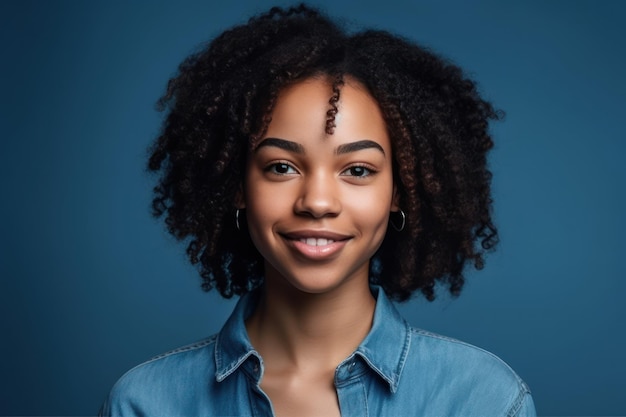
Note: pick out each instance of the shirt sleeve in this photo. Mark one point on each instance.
(527, 408)
(104, 409)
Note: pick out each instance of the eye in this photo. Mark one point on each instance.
(358, 171)
(281, 168)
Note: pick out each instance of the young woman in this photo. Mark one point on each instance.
(319, 174)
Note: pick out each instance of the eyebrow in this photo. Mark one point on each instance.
(357, 146)
(294, 147)
(287, 145)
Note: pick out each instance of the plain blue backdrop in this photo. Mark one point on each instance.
(92, 285)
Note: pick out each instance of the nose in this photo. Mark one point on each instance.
(319, 196)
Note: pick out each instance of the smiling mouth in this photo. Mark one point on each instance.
(316, 245)
(315, 237)
(311, 241)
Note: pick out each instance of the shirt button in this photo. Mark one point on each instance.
(351, 366)
(256, 368)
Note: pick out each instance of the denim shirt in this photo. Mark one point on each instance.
(396, 371)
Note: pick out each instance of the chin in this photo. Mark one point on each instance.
(311, 283)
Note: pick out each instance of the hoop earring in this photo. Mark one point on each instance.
(237, 219)
(401, 228)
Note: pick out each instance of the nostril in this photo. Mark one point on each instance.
(318, 200)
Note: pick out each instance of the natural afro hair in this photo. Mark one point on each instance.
(221, 101)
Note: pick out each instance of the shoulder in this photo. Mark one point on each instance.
(446, 352)
(479, 379)
(175, 373)
(167, 367)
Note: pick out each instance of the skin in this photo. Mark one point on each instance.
(317, 208)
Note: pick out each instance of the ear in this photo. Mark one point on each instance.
(240, 200)
(395, 200)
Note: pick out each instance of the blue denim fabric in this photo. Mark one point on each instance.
(396, 371)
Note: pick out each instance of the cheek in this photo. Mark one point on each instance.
(263, 210)
(370, 212)
(266, 203)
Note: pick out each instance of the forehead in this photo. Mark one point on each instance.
(301, 112)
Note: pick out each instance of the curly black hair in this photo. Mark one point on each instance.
(221, 101)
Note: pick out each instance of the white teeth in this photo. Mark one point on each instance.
(311, 241)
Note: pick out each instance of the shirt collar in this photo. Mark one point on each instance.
(233, 347)
(386, 346)
(384, 349)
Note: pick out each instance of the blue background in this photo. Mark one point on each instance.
(92, 285)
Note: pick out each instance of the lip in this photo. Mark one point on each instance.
(296, 240)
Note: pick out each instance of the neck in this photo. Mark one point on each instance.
(294, 329)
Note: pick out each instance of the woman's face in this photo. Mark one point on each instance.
(317, 205)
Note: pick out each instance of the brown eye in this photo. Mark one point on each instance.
(281, 169)
(358, 171)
